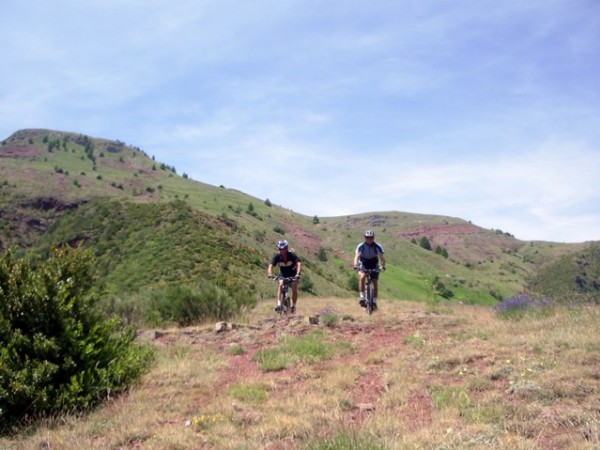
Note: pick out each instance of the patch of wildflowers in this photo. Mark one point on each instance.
(522, 303)
(205, 421)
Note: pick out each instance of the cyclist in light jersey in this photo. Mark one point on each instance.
(367, 256)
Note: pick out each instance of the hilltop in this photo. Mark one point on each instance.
(150, 225)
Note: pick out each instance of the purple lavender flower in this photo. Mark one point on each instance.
(521, 303)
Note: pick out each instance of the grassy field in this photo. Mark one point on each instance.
(414, 375)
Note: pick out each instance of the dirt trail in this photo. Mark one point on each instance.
(369, 337)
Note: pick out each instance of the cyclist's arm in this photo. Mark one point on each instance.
(270, 270)
(357, 254)
(298, 268)
(382, 259)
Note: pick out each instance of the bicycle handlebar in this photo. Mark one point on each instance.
(285, 279)
(378, 269)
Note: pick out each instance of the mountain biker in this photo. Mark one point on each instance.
(367, 256)
(289, 266)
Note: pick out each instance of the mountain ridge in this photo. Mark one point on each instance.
(48, 175)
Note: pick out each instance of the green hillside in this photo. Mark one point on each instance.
(573, 277)
(150, 226)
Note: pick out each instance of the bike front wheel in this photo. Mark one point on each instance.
(284, 303)
(370, 298)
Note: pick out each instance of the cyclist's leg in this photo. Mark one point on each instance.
(374, 287)
(361, 283)
(294, 292)
(294, 287)
(375, 278)
(361, 288)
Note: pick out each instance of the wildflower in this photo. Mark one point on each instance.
(522, 303)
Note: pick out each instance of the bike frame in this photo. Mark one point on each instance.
(284, 298)
(369, 289)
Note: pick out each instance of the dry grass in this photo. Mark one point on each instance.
(411, 376)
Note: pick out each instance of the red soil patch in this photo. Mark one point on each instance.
(302, 241)
(18, 151)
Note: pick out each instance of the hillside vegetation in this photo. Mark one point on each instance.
(150, 226)
(575, 276)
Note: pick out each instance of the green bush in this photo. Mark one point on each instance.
(424, 243)
(185, 305)
(353, 283)
(330, 319)
(306, 284)
(59, 352)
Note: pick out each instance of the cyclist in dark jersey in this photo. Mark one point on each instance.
(289, 266)
(367, 256)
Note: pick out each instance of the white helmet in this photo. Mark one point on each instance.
(282, 244)
(369, 233)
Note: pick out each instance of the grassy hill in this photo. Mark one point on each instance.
(574, 277)
(150, 226)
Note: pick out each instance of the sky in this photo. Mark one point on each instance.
(484, 110)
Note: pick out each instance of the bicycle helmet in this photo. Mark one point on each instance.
(369, 233)
(282, 244)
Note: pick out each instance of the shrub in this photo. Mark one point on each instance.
(186, 305)
(424, 243)
(279, 230)
(306, 284)
(322, 254)
(330, 319)
(59, 352)
(438, 288)
(353, 283)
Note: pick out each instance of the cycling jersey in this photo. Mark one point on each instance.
(368, 254)
(287, 267)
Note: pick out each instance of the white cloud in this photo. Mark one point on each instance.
(484, 111)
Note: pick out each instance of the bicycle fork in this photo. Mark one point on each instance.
(284, 300)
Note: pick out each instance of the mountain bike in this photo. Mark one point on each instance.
(284, 302)
(370, 305)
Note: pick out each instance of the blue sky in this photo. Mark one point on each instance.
(484, 110)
